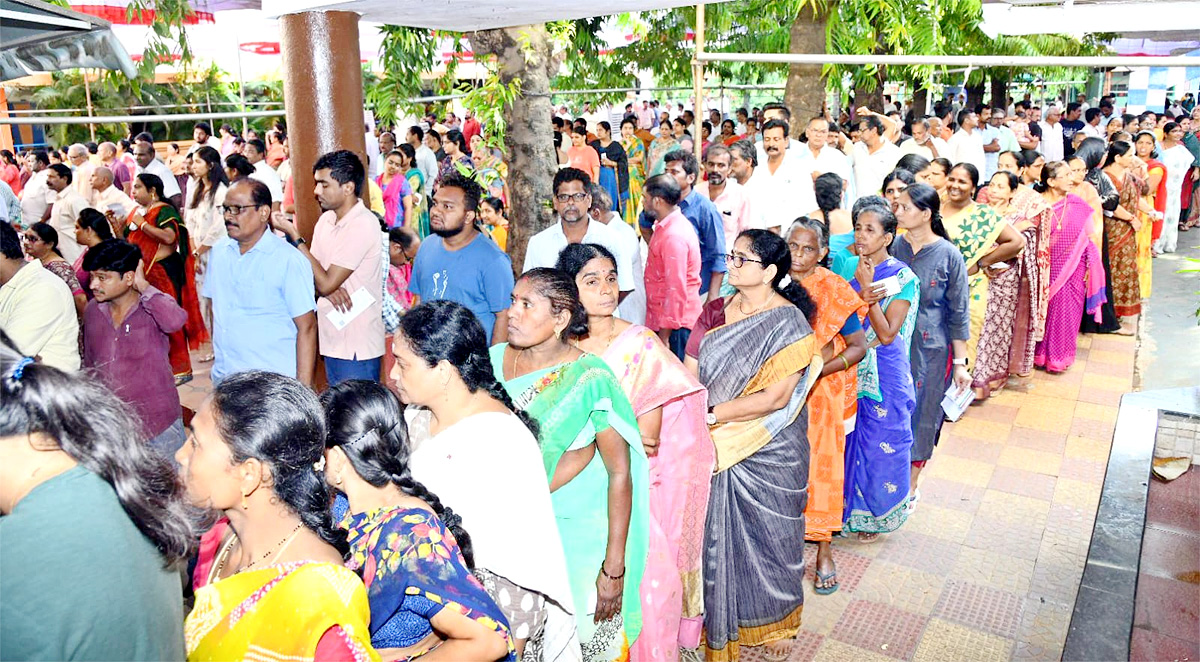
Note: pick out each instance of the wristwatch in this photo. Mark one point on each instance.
(711, 418)
(962, 361)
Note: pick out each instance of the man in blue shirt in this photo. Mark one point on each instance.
(459, 263)
(264, 309)
(704, 217)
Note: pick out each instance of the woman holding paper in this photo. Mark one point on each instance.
(877, 451)
(943, 320)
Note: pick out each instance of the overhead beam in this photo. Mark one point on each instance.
(976, 61)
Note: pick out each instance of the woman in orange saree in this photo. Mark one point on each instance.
(669, 403)
(156, 228)
(838, 331)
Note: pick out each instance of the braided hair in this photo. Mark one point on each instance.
(447, 331)
(279, 421)
(366, 421)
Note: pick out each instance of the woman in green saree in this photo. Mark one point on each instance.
(592, 452)
(987, 242)
(416, 180)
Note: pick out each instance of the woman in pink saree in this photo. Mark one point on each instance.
(1076, 272)
(670, 407)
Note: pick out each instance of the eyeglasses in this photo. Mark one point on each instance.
(566, 197)
(740, 260)
(235, 210)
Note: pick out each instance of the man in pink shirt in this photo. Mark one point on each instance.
(347, 264)
(729, 196)
(672, 265)
(581, 155)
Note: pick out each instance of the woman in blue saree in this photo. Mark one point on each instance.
(877, 451)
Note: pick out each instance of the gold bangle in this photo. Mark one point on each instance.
(845, 362)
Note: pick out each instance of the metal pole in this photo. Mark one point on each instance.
(954, 60)
(241, 81)
(698, 85)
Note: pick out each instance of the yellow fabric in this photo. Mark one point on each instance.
(376, 202)
(756, 636)
(278, 613)
(735, 442)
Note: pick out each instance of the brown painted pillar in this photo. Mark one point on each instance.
(323, 94)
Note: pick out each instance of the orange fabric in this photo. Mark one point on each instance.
(836, 301)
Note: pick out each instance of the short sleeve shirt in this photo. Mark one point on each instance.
(544, 247)
(351, 243)
(256, 297)
(478, 275)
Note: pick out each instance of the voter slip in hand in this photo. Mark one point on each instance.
(956, 401)
(360, 300)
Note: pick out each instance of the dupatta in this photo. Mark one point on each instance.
(910, 291)
(278, 612)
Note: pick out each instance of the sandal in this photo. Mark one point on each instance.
(865, 538)
(824, 579)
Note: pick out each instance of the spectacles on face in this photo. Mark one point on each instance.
(235, 210)
(571, 197)
(740, 260)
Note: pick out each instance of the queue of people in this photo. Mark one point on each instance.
(576, 462)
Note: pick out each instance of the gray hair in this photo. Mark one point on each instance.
(812, 225)
(601, 199)
(77, 149)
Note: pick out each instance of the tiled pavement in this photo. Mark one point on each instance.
(987, 566)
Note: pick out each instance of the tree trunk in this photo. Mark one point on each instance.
(975, 94)
(999, 89)
(871, 98)
(920, 102)
(804, 94)
(525, 53)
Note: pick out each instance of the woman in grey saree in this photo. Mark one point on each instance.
(756, 354)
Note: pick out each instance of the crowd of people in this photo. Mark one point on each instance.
(695, 352)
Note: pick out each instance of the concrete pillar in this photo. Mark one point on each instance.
(323, 94)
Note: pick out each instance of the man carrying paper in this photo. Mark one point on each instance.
(347, 262)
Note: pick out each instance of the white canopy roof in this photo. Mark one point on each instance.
(1132, 17)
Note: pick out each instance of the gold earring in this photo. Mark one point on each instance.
(339, 479)
(245, 504)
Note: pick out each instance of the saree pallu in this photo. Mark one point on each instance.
(1126, 290)
(836, 301)
(974, 232)
(680, 473)
(420, 207)
(1087, 192)
(878, 461)
(572, 403)
(753, 554)
(393, 200)
(658, 149)
(175, 275)
(279, 613)
(1015, 313)
(637, 178)
(412, 565)
(1107, 321)
(1158, 197)
(1076, 283)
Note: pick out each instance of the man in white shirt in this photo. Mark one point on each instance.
(731, 199)
(81, 169)
(996, 138)
(966, 145)
(106, 196)
(143, 153)
(573, 201)
(1091, 123)
(37, 196)
(1052, 136)
(65, 212)
(426, 159)
(203, 136)
(256, 153)
(373, 158)
(873, 156)
(778, 111)
(781, 188)
(922, 141)
(632, 308)
(825, 157)
(37, 310)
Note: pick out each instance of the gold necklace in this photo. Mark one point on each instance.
(759, 309)
(280, 546)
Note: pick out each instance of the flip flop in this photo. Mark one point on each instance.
(824, 578)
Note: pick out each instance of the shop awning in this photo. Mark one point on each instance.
(37, 37)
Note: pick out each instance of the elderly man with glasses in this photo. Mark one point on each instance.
(264, 306)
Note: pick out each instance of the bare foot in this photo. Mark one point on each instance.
(777, 651)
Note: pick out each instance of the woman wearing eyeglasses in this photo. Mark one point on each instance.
(756, 354)
(154, 226)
